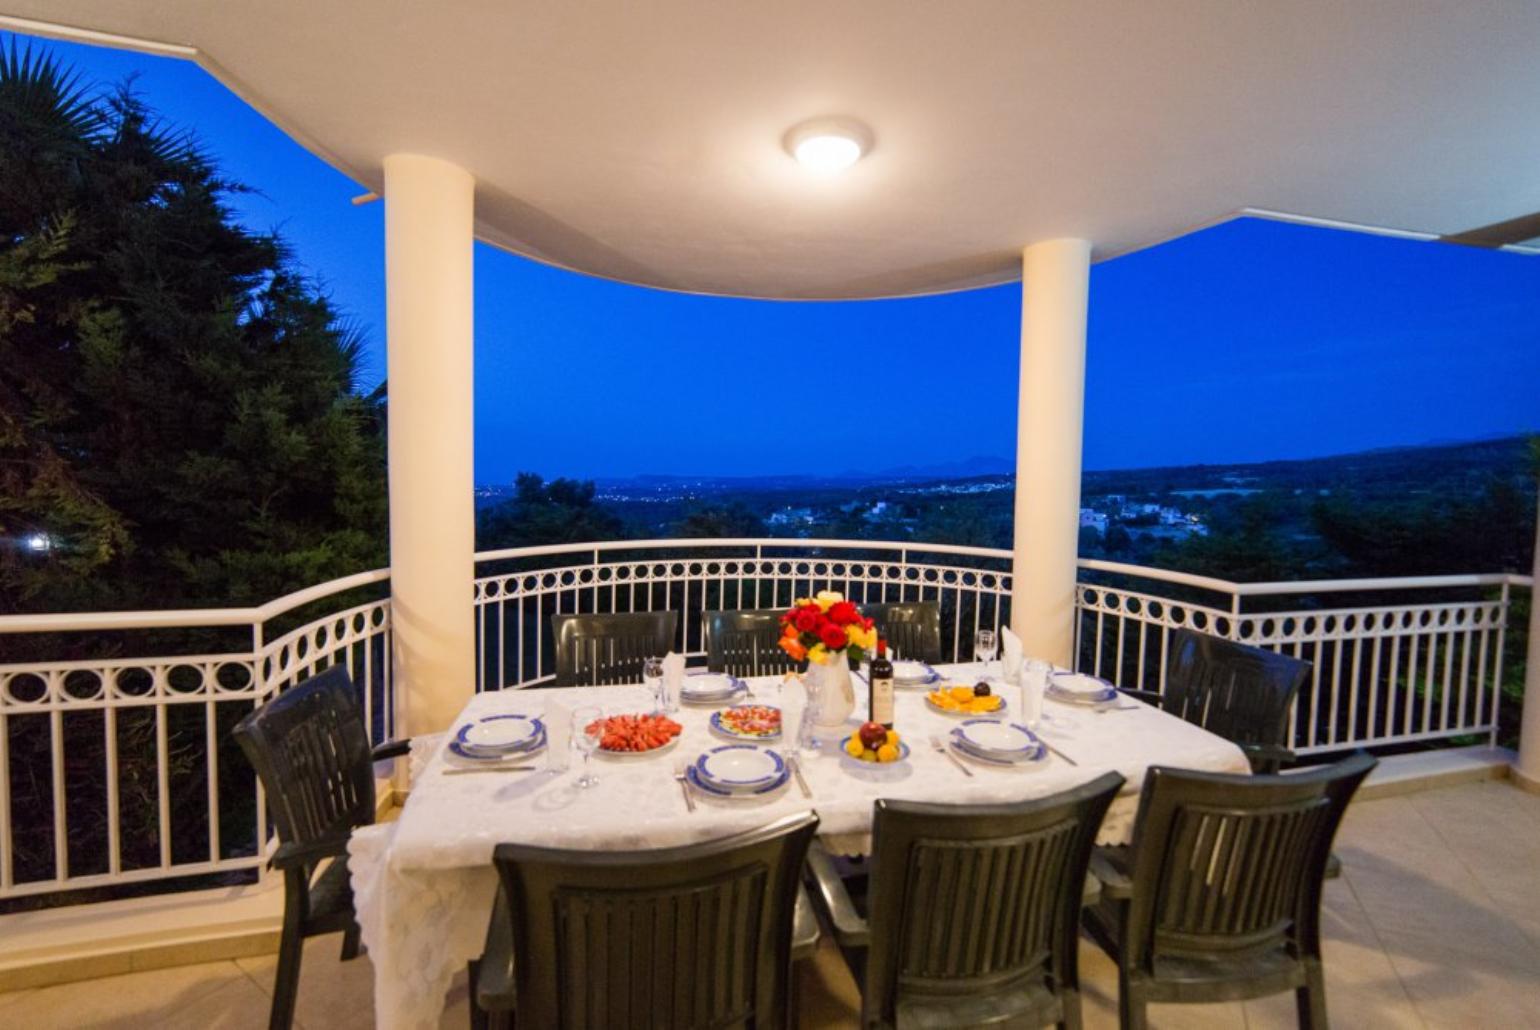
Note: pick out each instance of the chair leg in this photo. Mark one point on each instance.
(291, 948)
(1311, 998)
(350, 941)
(478, 1014)
(1070, 1000)
(1131, 1006)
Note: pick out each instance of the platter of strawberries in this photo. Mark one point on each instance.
(632, 736)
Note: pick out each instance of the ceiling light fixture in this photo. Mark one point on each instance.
(828, 145)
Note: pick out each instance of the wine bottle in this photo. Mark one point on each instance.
(880, 702)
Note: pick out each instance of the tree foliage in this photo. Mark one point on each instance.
(179, 414)
(562, 511)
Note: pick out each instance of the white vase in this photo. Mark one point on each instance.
(831, 685)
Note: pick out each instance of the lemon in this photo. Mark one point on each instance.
(868, 755)
(853, 746)
(887, 752)
(892, 738)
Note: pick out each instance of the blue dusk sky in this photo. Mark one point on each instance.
(1248, 341)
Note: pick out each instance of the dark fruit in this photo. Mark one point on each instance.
(873, 735)
(981, 689)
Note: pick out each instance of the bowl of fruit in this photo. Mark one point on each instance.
(961, 699)
(874, 747)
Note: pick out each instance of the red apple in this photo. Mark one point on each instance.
(872, 735)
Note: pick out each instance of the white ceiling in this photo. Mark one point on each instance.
(641, 139)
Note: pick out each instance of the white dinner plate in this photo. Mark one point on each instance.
(501, 733)
(739, 767)
(711, 790)
(660, 749)
(911, 673)
(1080, 689)
(998, 738)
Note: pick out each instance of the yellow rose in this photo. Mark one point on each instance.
(818, 654)
(828, 598)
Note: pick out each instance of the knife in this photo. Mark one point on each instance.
(796, 770)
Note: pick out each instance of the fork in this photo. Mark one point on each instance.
(940, 745)
(680, 765)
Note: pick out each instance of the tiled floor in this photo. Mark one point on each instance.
(1436, 923)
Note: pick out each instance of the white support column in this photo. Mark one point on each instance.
(429, 209)
(1527, 772)
(1055, 286)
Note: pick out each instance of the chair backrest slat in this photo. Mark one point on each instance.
(977, 901)
(593, 650)
(745, 642)
(911, 628)
(311, 751)
(1239, 692)
(688, 937)
(1227, 865)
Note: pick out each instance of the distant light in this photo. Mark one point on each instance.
(828, 145)
(38, 542)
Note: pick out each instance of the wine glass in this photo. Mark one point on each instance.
(652, 677)
(587, 731)
(985, 644)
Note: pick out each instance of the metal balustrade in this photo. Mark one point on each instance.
(149, 787)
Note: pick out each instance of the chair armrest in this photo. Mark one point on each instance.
(494, 989)
(1267, 756)
(1147, 696)
(850, 929)
(295, 855)
(1110, 866)
(391, 749)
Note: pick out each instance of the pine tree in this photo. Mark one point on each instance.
(180, 419)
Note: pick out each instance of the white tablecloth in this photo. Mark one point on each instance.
(423, 885)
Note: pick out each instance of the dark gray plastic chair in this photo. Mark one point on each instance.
(973, 911)
(697, 936)
(592, 650)
(911, 628)
(745, 643)
(1239, 692)
(311, 751)
(1219, 898)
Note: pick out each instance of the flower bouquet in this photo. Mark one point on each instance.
(830, 633)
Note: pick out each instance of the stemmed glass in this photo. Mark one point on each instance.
(652, 677)
(985, 644)
(587, 731)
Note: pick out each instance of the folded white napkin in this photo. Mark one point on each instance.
(558, 736)
(1010, 653)
(673, 673)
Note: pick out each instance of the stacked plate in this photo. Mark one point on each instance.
(998, 743)
(907, 673)
(709, 688)
(1076, 688)
(738, 772)
(497, 738)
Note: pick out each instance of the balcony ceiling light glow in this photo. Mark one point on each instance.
(828, 145)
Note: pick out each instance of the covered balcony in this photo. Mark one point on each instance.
(655, 145)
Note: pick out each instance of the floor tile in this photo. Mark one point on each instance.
(134, 1000)
(333, 995)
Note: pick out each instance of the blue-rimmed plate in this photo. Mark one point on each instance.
(910, 673)
(994, 739)
(703, 688)
(998, 763)
(500, 734)
(739, 767)
(712, 790)
(723, 724)
(490, 757)
(1077, 688)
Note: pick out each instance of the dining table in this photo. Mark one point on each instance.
(424, 883)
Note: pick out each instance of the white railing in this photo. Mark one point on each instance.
(129, 775)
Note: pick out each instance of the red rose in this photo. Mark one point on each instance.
(832, 636)
(844, 613)
(807, 619)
